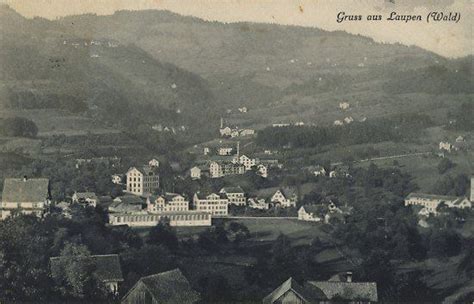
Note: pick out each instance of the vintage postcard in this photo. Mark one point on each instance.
(236, 151)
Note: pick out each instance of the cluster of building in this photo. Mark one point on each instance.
(324, 212)
(338, 289)
(459, 144)
(338, 171)
(232, 132)
(172, 286)
(226, 164)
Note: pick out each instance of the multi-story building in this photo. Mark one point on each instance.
(169, 202)
(235, 195)
(247, 162)
(142, 181)
(221, 169)
(26, 195)
(215, 204)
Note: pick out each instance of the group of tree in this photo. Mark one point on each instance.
(18, 127)
(395, 128)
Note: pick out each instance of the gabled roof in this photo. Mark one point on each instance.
(203, 195)
(169, 287)
(107, 267)
(288, 192)
(308, 293)
(366, 291)
(145, 170)
(25, 190)
(237, 189)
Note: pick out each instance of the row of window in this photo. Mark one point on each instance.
(156, 218)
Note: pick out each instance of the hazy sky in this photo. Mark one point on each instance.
(445, 38)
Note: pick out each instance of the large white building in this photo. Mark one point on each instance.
(215, 204)
(25, 195)
(247, 162)
(169, 202)
(235, 195)
(142, 181)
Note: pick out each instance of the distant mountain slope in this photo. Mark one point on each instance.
(260, 65)
(44, 66)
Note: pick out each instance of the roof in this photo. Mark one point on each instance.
(311, 208)
(204, 195)
(170, 287)
(308, 292)
(85, 195)
(432, 196)
(145, 170)
(288, 192)
(130, 199)
(29, 190)
(366, 291)
(237, 189)
(107, 267)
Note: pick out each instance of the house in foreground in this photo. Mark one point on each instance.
(166, 287)
(25, 195)
(106, 268)
(338, 289)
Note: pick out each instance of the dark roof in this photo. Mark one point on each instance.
(307, 292)
(366, 291)
(107, 267)
(29, 190)
(311, 208)
(170, 287)
(86, 195)
(288, 192)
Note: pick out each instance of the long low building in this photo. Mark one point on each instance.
(430, 202)
(144, 219)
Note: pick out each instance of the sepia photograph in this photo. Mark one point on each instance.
(236, 151)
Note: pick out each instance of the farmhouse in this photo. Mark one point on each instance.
(339, 288)
(247, 162)
(142, 181)
(106, 268)
(168, 202)
(154, 163)
(284, 197)
(195, 173)
(85, 198)
(215, 204)
(258, 203)
(117, 179)
(166, 287)
(235, 195)
(309, 213)
(26, 195)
